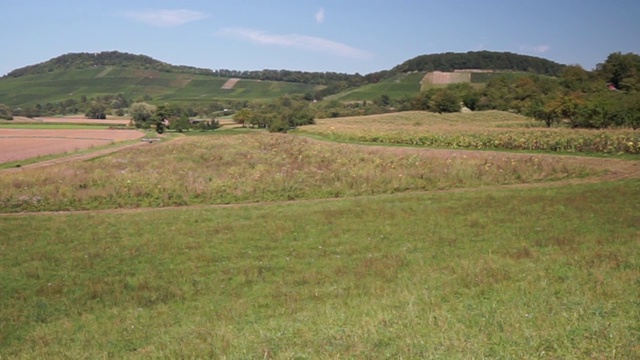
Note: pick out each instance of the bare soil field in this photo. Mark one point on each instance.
(230, 84)
(20, 144)
(74, 120)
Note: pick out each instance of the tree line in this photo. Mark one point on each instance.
(485, 60)
(606, 97)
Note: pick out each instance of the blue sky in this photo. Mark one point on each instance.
(331, 35)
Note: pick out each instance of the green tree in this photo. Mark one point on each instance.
(242, 116)
(575, 78)
(546, 111)
(622, 71)
(444, 101)
(596, 112)
(5, 112)
(180, 124)
(142, 115)
(631, 107)
(96, 110)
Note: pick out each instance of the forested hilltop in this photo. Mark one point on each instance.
(485, 60)
(77, 61)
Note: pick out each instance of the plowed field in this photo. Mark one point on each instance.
(20, 144)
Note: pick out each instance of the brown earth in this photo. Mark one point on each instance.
(21, 144)
(76, 120)
(230, 84)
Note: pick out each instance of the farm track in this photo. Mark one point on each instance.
(616, 170)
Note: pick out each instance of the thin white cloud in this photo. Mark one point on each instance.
(320, 16)
(309, 43)
(165, 18)
(539, 49)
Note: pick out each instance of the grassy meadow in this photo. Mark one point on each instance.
(296, 248)
(262, 167)
(538, 273)
(396, 87)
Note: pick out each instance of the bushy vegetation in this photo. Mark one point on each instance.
(276, 116)
(5, 112)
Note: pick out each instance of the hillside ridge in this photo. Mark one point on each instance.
(84, 60)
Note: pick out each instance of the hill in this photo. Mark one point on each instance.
(483, 60)
(60, 85)
(71, 76)
(79, 61)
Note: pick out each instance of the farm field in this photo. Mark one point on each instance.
(82, 120)
(402, 85)
(484, 130)
(136, 83)
(21, 144)
(282, 246)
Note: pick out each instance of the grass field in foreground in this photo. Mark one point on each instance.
(537, 273)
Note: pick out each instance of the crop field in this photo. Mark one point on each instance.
(480, 131)
(20, 144)
(135, 83)
(82, 120)
(208, 88)
(280, 246)
(399, 86)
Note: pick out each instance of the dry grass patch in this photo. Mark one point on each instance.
(265, 167)
(477, 130)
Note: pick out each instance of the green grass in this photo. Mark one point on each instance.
(541, 273)
(363, 263)
(211, 88)
(399, 86)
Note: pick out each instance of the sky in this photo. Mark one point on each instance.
(347, 36)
